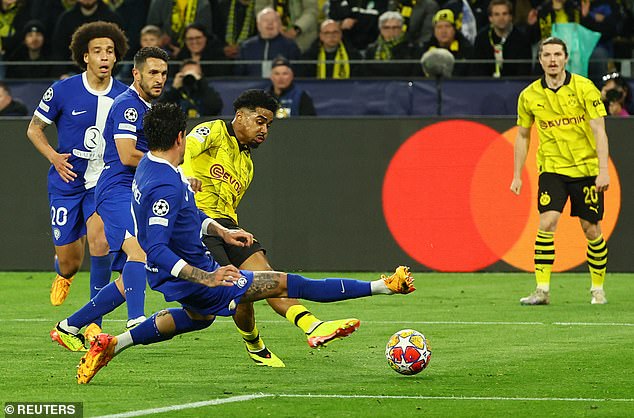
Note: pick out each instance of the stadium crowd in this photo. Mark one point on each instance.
(331, 39)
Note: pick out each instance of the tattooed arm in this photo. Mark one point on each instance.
(223, 276)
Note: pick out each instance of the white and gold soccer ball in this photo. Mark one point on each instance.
(408, 352)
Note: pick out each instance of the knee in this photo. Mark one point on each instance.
(98, 246)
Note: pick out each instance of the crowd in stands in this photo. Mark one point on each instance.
(336, 39)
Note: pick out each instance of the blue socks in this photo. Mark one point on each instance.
(326, 290)
(134, 280)
(104, 302)
(148, 333)
(99, 276)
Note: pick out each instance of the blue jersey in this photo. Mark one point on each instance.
(167, 220)
(125, 120)
(79, 112)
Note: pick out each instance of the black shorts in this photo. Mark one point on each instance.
(226, 254)
(585, 202)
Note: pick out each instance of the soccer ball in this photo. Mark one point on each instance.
(408, 352)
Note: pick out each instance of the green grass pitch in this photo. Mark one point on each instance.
(491, 357)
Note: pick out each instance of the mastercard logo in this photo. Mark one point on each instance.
(447, 201)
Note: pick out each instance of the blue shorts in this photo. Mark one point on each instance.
(220, 301)
(69, 215)
(116, 211)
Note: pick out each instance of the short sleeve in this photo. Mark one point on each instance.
(525, 117)
(127, 121)
(593, 103)
(50, 105)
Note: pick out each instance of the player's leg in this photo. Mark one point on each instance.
(244, 316)
(129, 258)
(597, 259)
(69, 231)
(317, 332)
(134, 280)
(161, 326)
(100, 260)
(66, 332)
(552, 196)
(587, 204)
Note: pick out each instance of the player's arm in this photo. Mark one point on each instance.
(520, 151)
(238, 237)
(35, 133)
(128, 153)
(158, 232)
(601, 137)
(525, 119)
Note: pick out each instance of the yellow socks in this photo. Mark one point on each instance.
(597, 257)
(252, 339)
(544, 258)
(301, 317)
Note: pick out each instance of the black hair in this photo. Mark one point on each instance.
(162, 124)
(552, 40)
(142, 55)
(93, 30)
(252, 99)
(5, 87)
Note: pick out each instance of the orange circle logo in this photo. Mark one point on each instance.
(447, 202)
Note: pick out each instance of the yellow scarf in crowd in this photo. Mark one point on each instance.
(183, 14)
(341, 67)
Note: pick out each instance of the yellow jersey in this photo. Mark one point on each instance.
(223, 165)
(566, 142)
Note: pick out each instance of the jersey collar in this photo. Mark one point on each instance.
(133, 88)
(84, 80)
(566, 81)
(232, 133)
(156, 159)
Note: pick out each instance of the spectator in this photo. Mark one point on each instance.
(13, 16)
(48, 11)
(84, 11)
(173, 16)
(268, 44)
(150, 36)
(192, 93)
(299, 19)
(132, 14)
(8, 105)
(32, 49)
(614, 82)
(616, 103)
(417, 19)
(294, 101)
(332, 55)
(201, 47)
(501, 41)
(359, 20)
(540, 20)
(447, 36)
(603, 16)
(234, 22)
(389, 47)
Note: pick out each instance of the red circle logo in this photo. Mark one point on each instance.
(447, 203)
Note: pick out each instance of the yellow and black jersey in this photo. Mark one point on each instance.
(566, 143)
(215, 157)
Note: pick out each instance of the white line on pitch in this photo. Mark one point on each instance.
(577, 324)
(185, 406)
(220, 401)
